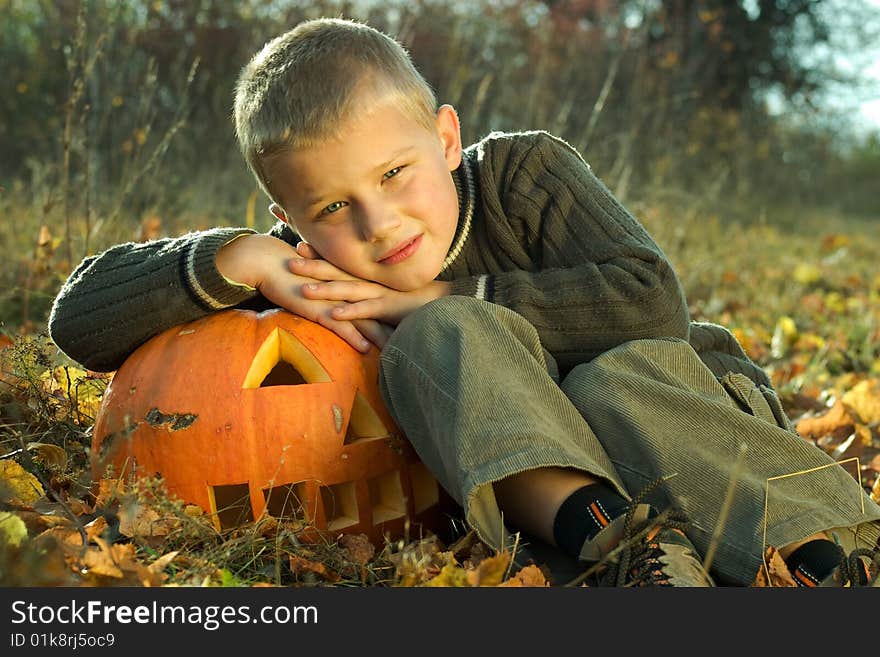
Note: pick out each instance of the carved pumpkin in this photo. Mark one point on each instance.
(243, 413)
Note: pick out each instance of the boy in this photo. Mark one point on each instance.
(536, 344)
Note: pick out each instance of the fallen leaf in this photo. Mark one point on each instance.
(53, 456)
(451, 575)
(104, 560)
(490, 571)
(807, 274)
(775, 567)
(139, 519)
(784, 336)
(12, 529)
(300, 565)
(23, 487)
(530, 575)
(357, 548)
(836, 418)
(109, 490)
(96, 527)
(156, 569)
(864, 401)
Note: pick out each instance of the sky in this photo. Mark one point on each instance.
(869, 98)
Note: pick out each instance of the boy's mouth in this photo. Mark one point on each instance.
(402, 251)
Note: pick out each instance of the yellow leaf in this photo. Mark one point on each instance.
(24, 488)
(451, 575)
(864, 401)
(784, 336)
(75, 385)
(490, 571)
(835, 302)
(12, 529)
(807, 274)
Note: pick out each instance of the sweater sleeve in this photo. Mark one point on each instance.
(581, 268)
(115, 301)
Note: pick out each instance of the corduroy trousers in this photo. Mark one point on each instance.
(480, 399)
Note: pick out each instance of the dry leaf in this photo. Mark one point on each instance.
(875, 490)
(104, 560)
(779, 574)
(490, 571)
(529, 576)
(300, 565)
(451, 575)
(53, 456)
(155, 575)
(864, 401)
(139, 519)
(65, 534)
(96, 528)
(108, 491)
(119, 563)
(836, 418)
(357, 548)
(19, 485)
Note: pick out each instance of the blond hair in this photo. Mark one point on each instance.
(302, 85)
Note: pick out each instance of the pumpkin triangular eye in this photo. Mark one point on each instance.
(282, 360)
(365, 422)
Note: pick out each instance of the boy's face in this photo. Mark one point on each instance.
(378, 202)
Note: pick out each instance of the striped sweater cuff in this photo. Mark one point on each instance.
(199, 270)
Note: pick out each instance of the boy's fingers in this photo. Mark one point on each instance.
(349, 333)
(339, 291)
(306, 250)
(319, 269)
(366, 309)
(374, 331)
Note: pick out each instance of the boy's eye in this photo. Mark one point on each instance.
(391, 173)
(333, 207)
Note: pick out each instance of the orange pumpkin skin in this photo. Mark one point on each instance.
(198, 406)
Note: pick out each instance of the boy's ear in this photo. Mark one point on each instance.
(449, 132)
(278, 212)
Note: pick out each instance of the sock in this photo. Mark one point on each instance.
(584, 514)
(814, 561)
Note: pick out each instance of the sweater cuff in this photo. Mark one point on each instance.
(204, 280)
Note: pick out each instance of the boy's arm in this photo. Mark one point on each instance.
(577, 264)
(115, 301)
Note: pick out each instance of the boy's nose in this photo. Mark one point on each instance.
(378, 222)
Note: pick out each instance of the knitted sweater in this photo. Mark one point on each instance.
(538, 233)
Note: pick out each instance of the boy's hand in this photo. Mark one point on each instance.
(366, 299)
(261, 261)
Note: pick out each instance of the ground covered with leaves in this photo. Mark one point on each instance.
(803, 299)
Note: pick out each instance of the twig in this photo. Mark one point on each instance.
(725, 507)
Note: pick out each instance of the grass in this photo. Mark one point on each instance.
(800, 292)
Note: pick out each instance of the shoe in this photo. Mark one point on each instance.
(861, 567)
(643, 551)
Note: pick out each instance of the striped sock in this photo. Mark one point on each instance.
(584, 514)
